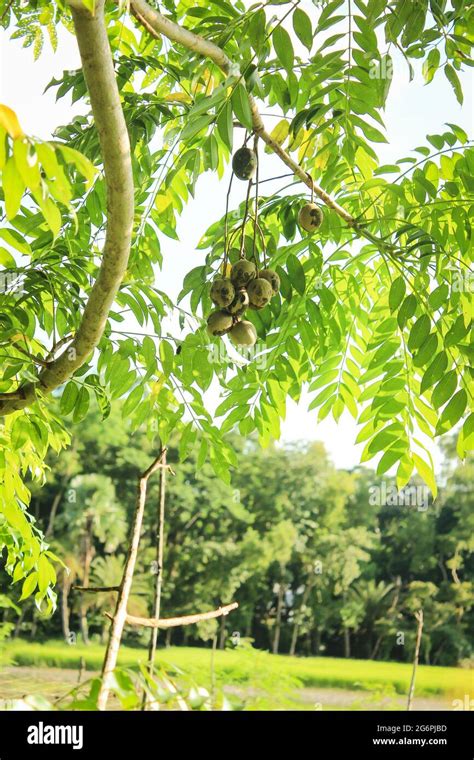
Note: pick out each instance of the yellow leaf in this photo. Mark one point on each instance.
(178, 97)
(226, 269)
(9, 120)
(279, 133)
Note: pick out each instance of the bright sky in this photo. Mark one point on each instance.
(413, 111)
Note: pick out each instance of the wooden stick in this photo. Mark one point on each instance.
(159, 571)
(411, 693)
(177, 621)
(96, 589)
(120, 614)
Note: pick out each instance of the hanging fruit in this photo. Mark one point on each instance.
(222, 291)
(244, 163)
(242, 273)
(239, 304)
(219, 323)
(310, 217)
(259, 292)
(243, 334)
(271, 277)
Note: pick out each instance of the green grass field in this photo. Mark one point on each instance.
(257, 669)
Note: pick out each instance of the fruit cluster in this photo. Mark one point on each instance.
(246, 288)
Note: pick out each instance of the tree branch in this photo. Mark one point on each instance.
(97, 65)
(177, 621)
(157, 24)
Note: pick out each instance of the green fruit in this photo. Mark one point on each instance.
(242, 273)
(219, 323)
(271, 277)
(222, 291)
(239, 304)
(260, 291)
(243, 334)
(244, 163)
(310, 217)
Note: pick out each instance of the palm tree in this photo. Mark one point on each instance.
(373, 600)
(107, 571)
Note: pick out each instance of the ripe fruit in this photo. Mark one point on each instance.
(219, 323)
(222, 291)
(260, 291)
(239, 304)
(310, 217)
(271, 277)
(242, 273)
(244, 163)
(243, 334)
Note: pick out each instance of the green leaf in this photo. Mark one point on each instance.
(419, 332)
(302, 27)
(225, 127)
(241, 106)
(431, 64)
(444, 389)
(452, 412)
(283, 48)
(426, 472)
(195, 125)
(13, 188)
(29, 585)
(397, 293)
(407, 310)
(82, 405)
(166, 356)
(296, 273)
(434, 372)
(82, 164)
(453, 79)
(50, 212)
(439, 296)
(69, 398)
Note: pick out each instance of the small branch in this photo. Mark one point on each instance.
(96, 589)
(56, 346)
(34, 359)
(158, 25)
(177, 621)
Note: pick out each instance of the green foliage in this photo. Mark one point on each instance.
(376, 321)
